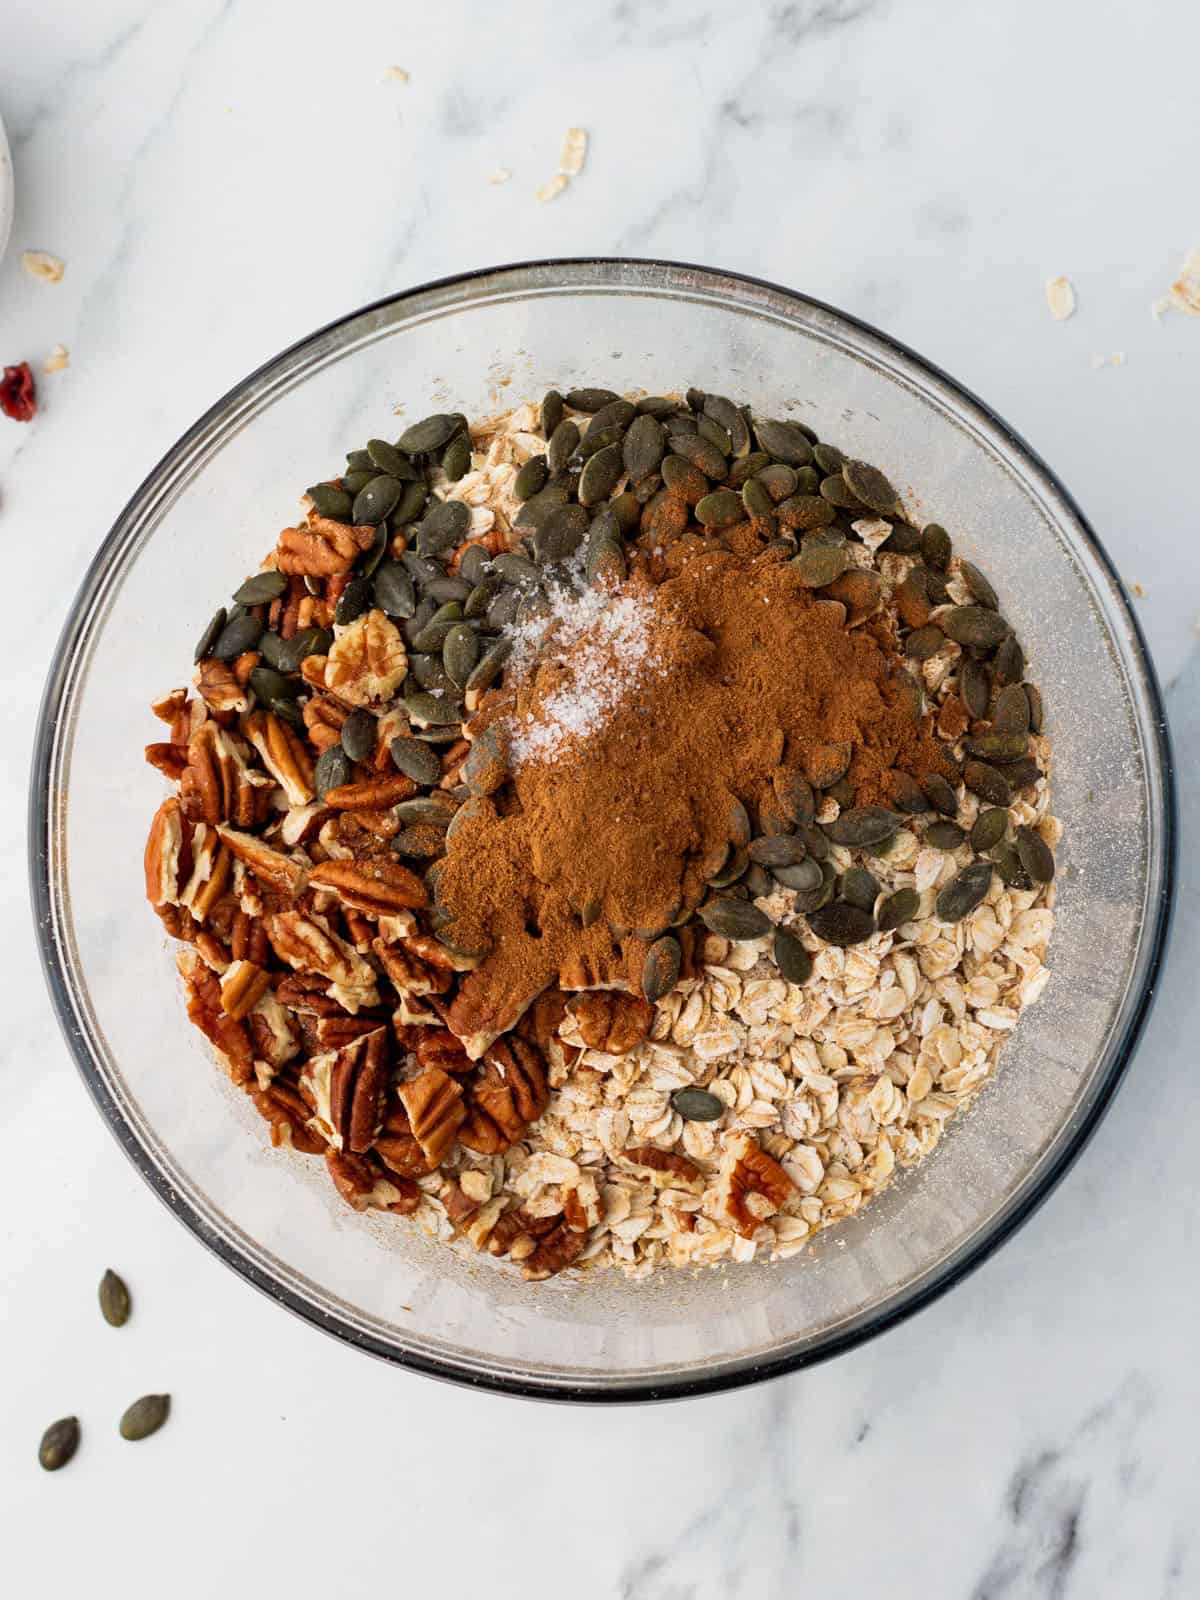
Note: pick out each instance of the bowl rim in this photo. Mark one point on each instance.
(686, 1385)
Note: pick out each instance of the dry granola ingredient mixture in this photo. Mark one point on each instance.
(421, 891)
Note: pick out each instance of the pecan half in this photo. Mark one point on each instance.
(367, 662)
(212, 868)
(323, 717)
(374, 794)
(276, 871)
(242, 987)
(228, 1038)
(553, 1254)
(357, 1085)
(288, 1115)
(509, 1093)
(611, 1021)
(752, 1186)
(437, 1047)
(216, 774)
(310, 947)
(408, 972)
(435, 1109)
(379, 887)
(270, 1027)
(169, 706)
(361, 1184)
(169, 759)
(167, 865)
(321, 547)
(398, 1149)
(219, 687)
(333, 1032)
(541, 1022)
(665, 1164)
(487, 1005)
(283, 754)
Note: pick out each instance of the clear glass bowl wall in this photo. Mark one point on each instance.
(204, 519)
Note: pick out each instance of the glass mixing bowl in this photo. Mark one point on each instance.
(205, 515)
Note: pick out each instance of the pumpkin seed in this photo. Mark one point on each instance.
(733, 865)
(431, 710)
(779, 480)
(734, 919)
(531, 479)
(695, 399)
(416, 760)
(1036, 855)
(843, 792)
(627, 508)
(1034, 696)
(431, 433)
(386, 458)
(308, 642)
(975, 686)
(237, 636)
(210, 635)
(392, 590)
(981, 589)
(514, 568)
(757, 881)
(998, 747)
(425, 669)
(989, 828)
(721, 509)
(1007, 859)
(701, 453)
(354, 599)
(487, 764)
(431, 810)
(145, 1416)
(711, 430)
(783, 440)
(696, 1105)
(924, 642)
(860, 888)
(746, 467)
(777, 850)
(617, 414)
(964, 892)
(867, 484)
(551, 412)
(756, 499)
(261, 589)
(902, 541)
(828, 457)
(794, 794)
(420, 842)
(331, 771)
(826, 764)
(358, 735)
(728, 417)
(592, 443)
(270, 686)
(664, 517)
(330, 501)
(802, 512)
(643, 447)
(898, 908)
(820, 564)
(59, 1443)
(988, 782)
(601, 475)
(864, 825)
(605, 562)
(792, 959)
(422, 569)
(475, 565)
(460, 652)
(456, 460)
(1021, 774)
(354, 482)
(802, 876)
(679, 423)
(114, 1300)
(908, 795)
(809, 900)
(684, 480)
(590, 400)
(935, 546)
(816, 842)
(739, 822)
(660, 970)
(561, 535)
(1010, 716)
(443, 589)
(376, 499)
(974, 625)
(944, 835)
(837, 491)
(841, 924)
(370, 560)
(433, 635)
(657, 406)
(563, 443)
(1010, 660)
(490, 666)
(446, 523)
(410, 504)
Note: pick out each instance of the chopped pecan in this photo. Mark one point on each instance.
(323, 717)
(374, 794)
(333, 1032)
(541, 1022)
(169, 759)
(360, 929)
(665, 1164)
(283, 754)
(357, 1085)
(408, 972)
(460, 1208)
(367, 662)
(509, 1093)
(611, 1021)
(581, 1205)
(435, 1110)
(361, 1184)
(553, 1254)
(283, 874)
(488, 1004)
(437, 1047)
(310, 947)
(212, 868)
(248, 940)
(168, 854)
(307, 991)
(216, 773)
(398, 1149)
(320, 547)
(178, 922)
(219, 687)
(380, 886)
(227, 1037)
(169, 706)
(953, 718)
(288, 1115)
(369, 830)
(516, 1233)
(242, 987)
(752, 1185)
(270, 1027)
(213, 953)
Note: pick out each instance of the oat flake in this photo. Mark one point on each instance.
(41, 265)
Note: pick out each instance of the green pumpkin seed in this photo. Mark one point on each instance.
(416, 760)
(988, 782)
(435, 810)
(432, 636)
(973, 625)
(426, 670)
(660, 970)
(601, 475)
(354, 599)
(696, 1105)
(564, 442)
(551, 412)
(331, 771)
(735, 919)
(801, 876)
(827, 764)
(410, 505)
(989, 829)
(998, 747)
(210, 635)
(431, 710)
(964, 892)
(443, 589)
(902, 541)
(1008, 864)
(487, 765)
(837, 491)
(330, 501)
(590, 400)
(820, 564)
(792, 959)
(898, 908)
(1009, 660)
(308, 642)
(643, 448)
(924, 642)
(779, 480)
(237, 636)
(721, 509)
(287, 711)
(270, 686)
(271, 647)
(685, 481)
(474, 565)
(756, 499)
(867, 484)
(695, 399)
(860, 888)
(842, 924)
(657, 406)
(445, 524)
(617, 414)
(794, 794)
(514, 568)
(605, 563)
(627, 508)
(261, 589)
(145, 1416)
(701, 453)
(456, 459)
(358, 735)
(785, 441)
(491, 665)
(975, 687)
(369, 562)
(387, 459)
(809, 900)
(757, 881)
(59, 1443)
(376, 499)
(460, 652)
(431, 433)
(561, 535)
(935, 546)
(908, 795)
(392, 590)
(829, 458)
(1034, 695)
(746, 467)
(802, 512)
(944, 835)
(728, 417)
(733, 865)
(981, 590)
(360, 461)
(842, 792)
(356, 481)
(419, 842)
(1022, 774)
(777, 850)
(114, 1300)
(864, 825)
(531, 479)
(1036, 855)
(1010, 716)
(711, 430)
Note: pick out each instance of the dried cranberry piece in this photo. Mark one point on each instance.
(17, 397)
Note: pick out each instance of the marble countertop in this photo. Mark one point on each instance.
(221, 176)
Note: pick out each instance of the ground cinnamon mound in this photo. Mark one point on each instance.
(740, 669)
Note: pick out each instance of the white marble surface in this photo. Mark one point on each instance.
(220, 176)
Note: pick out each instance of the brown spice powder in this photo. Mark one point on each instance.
(751, 671)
